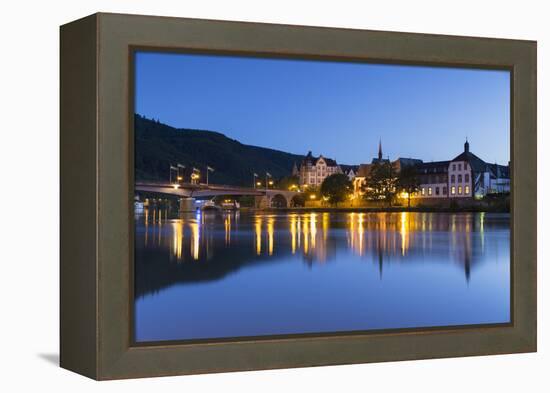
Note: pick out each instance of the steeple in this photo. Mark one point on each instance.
(380, 149)
(466, 146)
(295, 170)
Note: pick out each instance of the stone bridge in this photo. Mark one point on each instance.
(264, 197)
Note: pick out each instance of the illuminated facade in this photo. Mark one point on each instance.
(465, 176)
(313, 171)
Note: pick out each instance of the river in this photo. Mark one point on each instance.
(237, 274)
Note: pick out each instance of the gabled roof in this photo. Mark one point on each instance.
(347, 168)
(477, 164)
(310, 159)
(329, 161)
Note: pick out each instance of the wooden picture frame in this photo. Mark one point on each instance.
(97, 190)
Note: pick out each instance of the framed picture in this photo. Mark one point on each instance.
(241, 196)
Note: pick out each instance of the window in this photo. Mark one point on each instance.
(437, 191)
(444, 190)
(460, 178)
(429, 191)
(467, 177)
(452, 178)
(459, 190)
(466, 190)
(453, 190)
(454, 167)
(423, 191)
(459, 167)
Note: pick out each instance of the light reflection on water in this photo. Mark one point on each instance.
(195, 273)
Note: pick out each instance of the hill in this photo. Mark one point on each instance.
(157, 146)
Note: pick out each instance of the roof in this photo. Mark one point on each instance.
(379, 160)
(312, 160)
(403, 161)
(330, 161)
(363, 170)
(309, 159)
(347, 168)
(477, 164)
(433, 167)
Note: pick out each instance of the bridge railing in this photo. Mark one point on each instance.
(205, 186)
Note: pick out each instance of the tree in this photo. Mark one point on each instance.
(336, 188)
(310, 192)
(381, 182)
(298, 200)
(288, 183)
(408, 181)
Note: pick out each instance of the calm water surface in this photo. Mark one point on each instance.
(216, 275)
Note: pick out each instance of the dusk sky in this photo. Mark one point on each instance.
(337, 109)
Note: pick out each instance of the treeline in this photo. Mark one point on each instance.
(157, 146)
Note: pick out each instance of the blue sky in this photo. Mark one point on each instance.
(338, 109)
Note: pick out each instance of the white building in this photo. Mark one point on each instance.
(465, 176)
(314, 170)
(433, 179)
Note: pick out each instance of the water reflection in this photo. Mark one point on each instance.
(379, 237)
(317, 271)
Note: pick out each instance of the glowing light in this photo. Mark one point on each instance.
(177, 233)
(312, 196)
(313, 228)
(258, 231)
(293, 233)
(176, 186)
(227, 223)
(404, 232)
(351, 239)
(305, 230)
(195, 240)
(146, 225)
(326, 217)
(270, 232)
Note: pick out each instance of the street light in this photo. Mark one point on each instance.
(208, 169)
(254, 181)
(172, 168)
(267, 174)
(178, 167)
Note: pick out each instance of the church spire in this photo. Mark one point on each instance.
(466, 146)
(380, 149)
